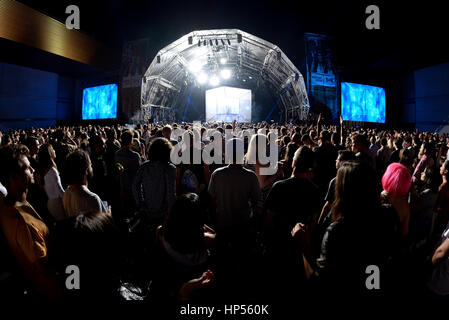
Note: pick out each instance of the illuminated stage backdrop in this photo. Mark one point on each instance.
(228, 104)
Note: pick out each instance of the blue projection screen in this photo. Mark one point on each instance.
(360, 102)
(100, 102)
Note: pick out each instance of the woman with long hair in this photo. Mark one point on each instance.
(252, 159)
(51, 180)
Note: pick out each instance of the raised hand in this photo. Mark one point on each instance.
(195, 284)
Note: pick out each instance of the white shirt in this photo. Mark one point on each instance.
(52, 184)
(3, 191)
(80, 200)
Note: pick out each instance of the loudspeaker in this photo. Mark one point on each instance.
(239, 37)
(296, 76)
(190, 40)
(158, 59)
(278, 53)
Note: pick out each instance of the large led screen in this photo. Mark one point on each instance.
(100, 102)
(360, 102)
(228, 104)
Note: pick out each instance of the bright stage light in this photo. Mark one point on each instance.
(223, 60)
(195, 66)
(202, 78)
(214, 81)
(225, 74)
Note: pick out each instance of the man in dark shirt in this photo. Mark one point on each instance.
(325, 156)
(394, 157)
(290, 201)
(293, 200)
(130, 160)
(98, 183)
(360, 146)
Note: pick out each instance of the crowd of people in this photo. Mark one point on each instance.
(108, 200)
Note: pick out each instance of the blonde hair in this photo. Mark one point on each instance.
(253, 148)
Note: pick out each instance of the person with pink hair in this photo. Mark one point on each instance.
(396, 183)
(397, 179)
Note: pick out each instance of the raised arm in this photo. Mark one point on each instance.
(342, 138)
(318, 125)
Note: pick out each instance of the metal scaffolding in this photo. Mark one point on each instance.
(246, 55)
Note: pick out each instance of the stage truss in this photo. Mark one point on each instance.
(168, 76)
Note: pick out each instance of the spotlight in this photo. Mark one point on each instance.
(202, 78)
(214, 81)
(222, 42)
(205, 42)
(225, 74)
(210, 41)
(239, 37)
(216, 42)
(199, 43)
(223, 60)
(190, 39)
(229, 42)
(195, 66)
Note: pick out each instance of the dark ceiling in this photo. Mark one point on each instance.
(411, 35)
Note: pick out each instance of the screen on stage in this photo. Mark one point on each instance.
(228, 104)
(360, 102)
(100, 102)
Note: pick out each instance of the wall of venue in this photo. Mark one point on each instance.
(432, 98)
(31, 97)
